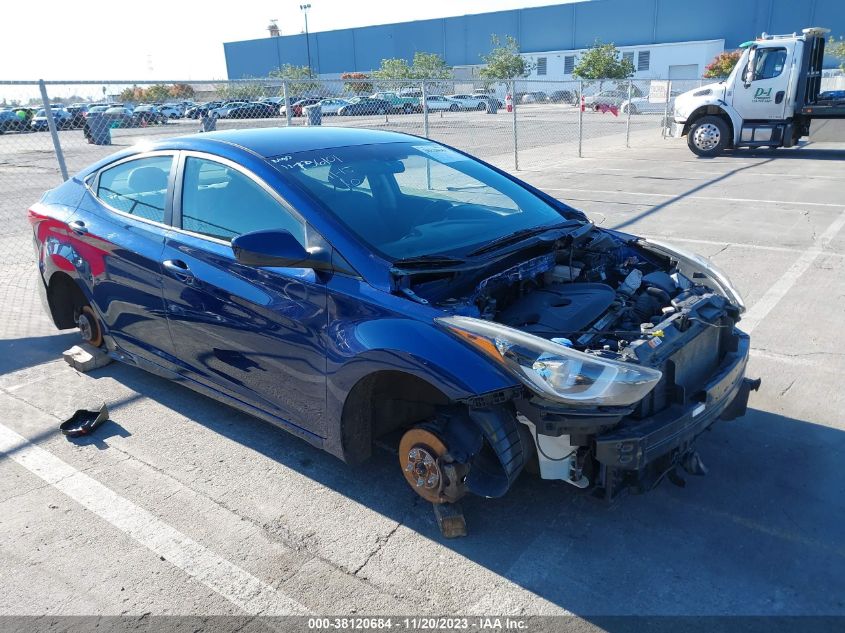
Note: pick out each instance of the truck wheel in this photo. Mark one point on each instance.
(708, 136)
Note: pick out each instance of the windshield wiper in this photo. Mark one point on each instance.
(518, 236)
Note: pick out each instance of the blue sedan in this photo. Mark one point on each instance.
(348, 284)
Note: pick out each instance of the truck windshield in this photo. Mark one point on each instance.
(411, 199)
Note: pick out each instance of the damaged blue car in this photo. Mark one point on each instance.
(349, 285)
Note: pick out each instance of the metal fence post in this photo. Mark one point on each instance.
(424, 99)
(51, 123)
(666, 108)
(287, 103)
(513, 117)
(580, 114)
(628, 119)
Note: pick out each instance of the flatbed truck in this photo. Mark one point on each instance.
(770, 98)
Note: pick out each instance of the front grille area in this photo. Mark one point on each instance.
(687, 371)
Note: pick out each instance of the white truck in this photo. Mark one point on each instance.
(769, 100)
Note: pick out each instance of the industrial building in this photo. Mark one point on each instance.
(664, 38)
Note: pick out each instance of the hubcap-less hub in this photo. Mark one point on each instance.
(707, 136)
(85, 327)
(419, 453)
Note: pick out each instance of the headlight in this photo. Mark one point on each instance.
(692, 266)
(554, 371)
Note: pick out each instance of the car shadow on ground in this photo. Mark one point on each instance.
(20, 353)
(758, 535)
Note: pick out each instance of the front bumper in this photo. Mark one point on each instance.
(635, 446)
(674, 129)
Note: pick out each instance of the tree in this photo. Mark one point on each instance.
(504, 62)
(430, 66)
(181, 91)
(836, 48)
(299, 79)
(603, 61)
(722, 64)
(393, 73)
(357, 86)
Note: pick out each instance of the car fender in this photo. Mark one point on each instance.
(410, 346)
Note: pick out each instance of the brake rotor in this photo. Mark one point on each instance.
(419, 456)
(89, 327)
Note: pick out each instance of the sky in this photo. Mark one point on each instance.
(117, 39)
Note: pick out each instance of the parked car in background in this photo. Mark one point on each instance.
(832, 95)
(78, 113)
(149, 115)
(563, 96)
(296, 106)
(333, 105)
(642, 105)
(360, 106)
(398, 102)
(223, 110)
(469, 102)
(120, 116)
(173, 110)
(202, 109)
(61, 116)
(489, 97)
(439, 102)
(11, 122)
(254, 110)
(611, 97)
(532, 97)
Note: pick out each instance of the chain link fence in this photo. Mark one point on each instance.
(51, 130)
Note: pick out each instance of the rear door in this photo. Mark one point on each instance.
(764, 97)
(254, 334)
(120, 227)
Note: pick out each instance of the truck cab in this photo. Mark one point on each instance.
(769, 99)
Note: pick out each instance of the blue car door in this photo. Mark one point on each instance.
(254, 334)
(119, 230)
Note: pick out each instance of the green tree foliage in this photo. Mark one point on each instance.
(156, 93)
(395, 72)
(357, 83)
(504, 61)
(722, 64)
(241, 90)
(836, 48)
(298, 78)
(603, 61)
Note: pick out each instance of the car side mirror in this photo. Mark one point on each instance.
(273, 247)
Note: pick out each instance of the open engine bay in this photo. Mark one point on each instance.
(610, 297)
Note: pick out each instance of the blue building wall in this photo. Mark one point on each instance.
(462, 40)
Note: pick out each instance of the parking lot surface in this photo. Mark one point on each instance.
(180, 505)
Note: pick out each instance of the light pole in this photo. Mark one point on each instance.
(304, 8)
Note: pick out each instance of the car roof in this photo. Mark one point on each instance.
(269, 142)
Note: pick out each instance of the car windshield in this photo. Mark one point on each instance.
(412, 199)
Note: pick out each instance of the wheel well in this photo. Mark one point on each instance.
(66, 300)
(382, 402)
(710, 110)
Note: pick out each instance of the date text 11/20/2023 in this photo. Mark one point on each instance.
(482, 623)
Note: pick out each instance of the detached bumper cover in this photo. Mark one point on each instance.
(633, 447)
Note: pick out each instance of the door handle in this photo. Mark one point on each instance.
(78, 227)
(779, 96)
(179, 269)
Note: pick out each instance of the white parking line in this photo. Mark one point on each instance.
(712, 198)
(227, 579)
(778, 290)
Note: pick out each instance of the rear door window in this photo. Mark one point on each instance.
(137, 187)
